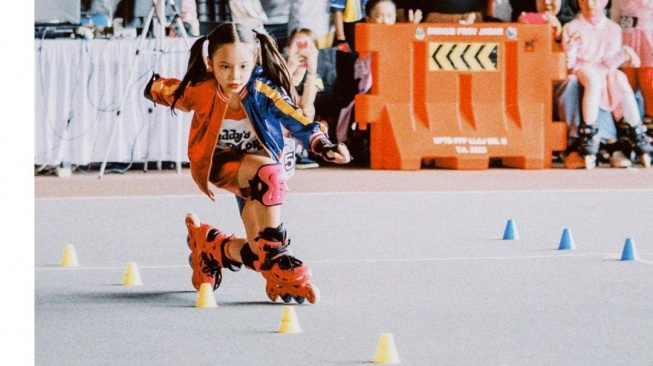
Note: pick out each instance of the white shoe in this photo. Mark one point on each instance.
(590, 161)
(619, 160)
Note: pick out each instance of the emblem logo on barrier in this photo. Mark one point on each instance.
(449, 56)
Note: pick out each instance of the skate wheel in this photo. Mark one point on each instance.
(192, 218)
(190, 260)
(287, 298)
(300, 300)
(313, 293)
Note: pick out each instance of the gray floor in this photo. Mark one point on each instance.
(429, 268)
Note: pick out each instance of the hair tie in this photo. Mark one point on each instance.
(205, 52)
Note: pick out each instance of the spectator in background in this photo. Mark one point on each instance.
(346, 13)
(594, 51)
(189, 16)
(276, 25)
(453, 11)
(406, 9)
(501, 10)
(302, 58)
(636, 20)
(521, 6)
(249, 13)
(313, 15)
(358, 79)
(557, 13)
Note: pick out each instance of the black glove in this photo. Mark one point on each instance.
(323, 147)
(148, 88)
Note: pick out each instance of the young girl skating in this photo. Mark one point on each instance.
(241, 95)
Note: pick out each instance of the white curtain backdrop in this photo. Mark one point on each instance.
(80, 86)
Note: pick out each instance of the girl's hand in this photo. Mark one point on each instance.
(557, 26)
(573, 39)
(293, 62)
(632, 56)
(414, 16)
(338, 154)
(308, 55)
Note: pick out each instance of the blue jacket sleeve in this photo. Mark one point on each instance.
(337, 5)
(279, 107)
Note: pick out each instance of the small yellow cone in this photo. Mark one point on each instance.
(205, 298)
(386, 352)
(289, 322)
(132, 277)
(69, 258)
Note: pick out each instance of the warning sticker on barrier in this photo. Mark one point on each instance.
(449, 56)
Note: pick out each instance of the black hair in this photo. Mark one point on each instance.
(265, 49)
(372, 3)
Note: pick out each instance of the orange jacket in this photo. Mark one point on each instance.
(268, 109)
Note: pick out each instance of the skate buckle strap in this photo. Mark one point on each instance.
(281, 257)
(212, 268)
(211, 265)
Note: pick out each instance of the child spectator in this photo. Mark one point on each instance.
(346, 13)
(557, 13)
(358, 79)
(567, 94)
(302, 57)
(313, 15)
(521, 6)
(453, 11)
(277, 13)
(636, 20)
(592, 44)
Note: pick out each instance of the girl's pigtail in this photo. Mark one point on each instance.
(274, 65)
(196, 70)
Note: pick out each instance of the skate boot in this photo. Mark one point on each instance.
(617, 154)
(589, 142)
(207, 245)
(647, 121)
(287, 277)
(640, 142)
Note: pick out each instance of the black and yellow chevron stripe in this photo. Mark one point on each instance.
(449, 56)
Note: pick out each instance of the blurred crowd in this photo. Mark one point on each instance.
(606, 99)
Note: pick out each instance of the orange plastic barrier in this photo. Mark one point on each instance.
(461, 95)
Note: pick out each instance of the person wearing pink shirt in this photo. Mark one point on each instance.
(636, 20)
(594, 51)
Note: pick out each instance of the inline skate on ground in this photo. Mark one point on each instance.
(207, 259)
(287, 278)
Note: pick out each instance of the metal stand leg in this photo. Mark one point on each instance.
(158, 8)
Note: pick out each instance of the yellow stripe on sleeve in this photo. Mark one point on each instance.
(281, 103)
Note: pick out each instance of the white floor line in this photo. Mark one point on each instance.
(345, 193)
(611, 256)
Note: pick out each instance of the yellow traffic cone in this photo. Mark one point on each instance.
(132, 277)
(205, 298)
(289, 322)
(69, 258)
(386, 352)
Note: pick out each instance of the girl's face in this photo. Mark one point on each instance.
(549, 6)
(232, 66)
(384, 12)
(592, 7)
